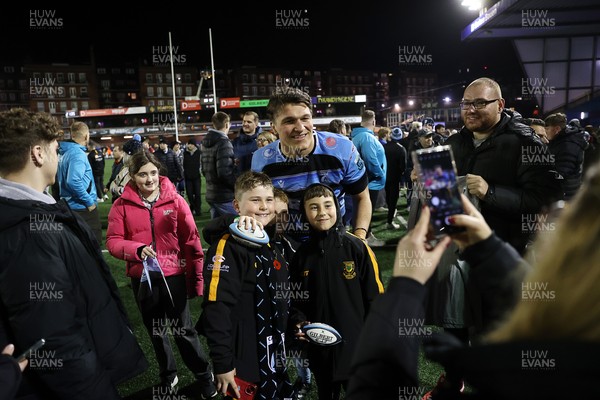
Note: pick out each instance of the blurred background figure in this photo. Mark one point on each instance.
(264, 138)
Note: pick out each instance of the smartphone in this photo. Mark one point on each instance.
(247, 389)
(436, 171)
(27, 353)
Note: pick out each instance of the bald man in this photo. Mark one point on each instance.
(507, 166)
(76, 180)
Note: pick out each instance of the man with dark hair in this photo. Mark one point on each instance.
(116, 168)
(567, 144)
(170, 161)
(191, 171)
(76, 179)
(244, 145)
(538, 126)
(218, 166)
(54, 282)
(303, 156)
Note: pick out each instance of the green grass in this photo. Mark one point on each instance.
(141, 386)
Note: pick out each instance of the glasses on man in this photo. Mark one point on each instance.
(477, 104)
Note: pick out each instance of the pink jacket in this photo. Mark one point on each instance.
(171, 224)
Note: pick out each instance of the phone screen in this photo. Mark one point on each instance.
(437, 177)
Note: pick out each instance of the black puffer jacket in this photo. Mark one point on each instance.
(519, 171)
(218, 167)
(54, 284)
(568, 148)
(170, 161)
(339, 278)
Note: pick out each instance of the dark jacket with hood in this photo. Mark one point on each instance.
(171, 162)
(568, 148)
(243, 148)
(228, 320)
(512, 370)
(218, 167)
(55, 284)
(341, 277)
(519, 171)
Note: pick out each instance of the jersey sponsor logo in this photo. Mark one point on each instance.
(349, 271)
(218, 258)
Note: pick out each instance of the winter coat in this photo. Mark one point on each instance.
(568, 148)
(55, 284)
(396, 156)
(519, 171)
(218, 167)
(75, 176)
(243, 148)
(372, 153)
(96, 159)
(228, 320)
(387, 358)
(191, 165)
(170, 161)
(169, 226)
(340, 276)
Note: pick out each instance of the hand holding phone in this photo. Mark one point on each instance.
(27, 353)
(436, 172)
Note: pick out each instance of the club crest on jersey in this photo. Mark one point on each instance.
(349, 271)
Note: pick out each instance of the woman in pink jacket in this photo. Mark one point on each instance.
(152, 228)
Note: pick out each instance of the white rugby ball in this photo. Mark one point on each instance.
(322, 334)
(253, 238)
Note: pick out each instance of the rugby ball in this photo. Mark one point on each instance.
(249, 237)
(322, 334)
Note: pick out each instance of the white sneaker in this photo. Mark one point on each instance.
(381, 209)
(372, 241)
(393, 225)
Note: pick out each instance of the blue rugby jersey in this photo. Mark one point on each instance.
(334, 162)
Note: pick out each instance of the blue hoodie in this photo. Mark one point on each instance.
(373, 154)
(75, 176)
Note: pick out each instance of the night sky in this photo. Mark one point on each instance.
(309, 37)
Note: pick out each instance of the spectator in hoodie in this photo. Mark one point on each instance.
(76, 178)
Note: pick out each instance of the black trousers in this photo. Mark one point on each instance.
(92, 218)
(392, 194)
(193, 187)
(162, 319)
